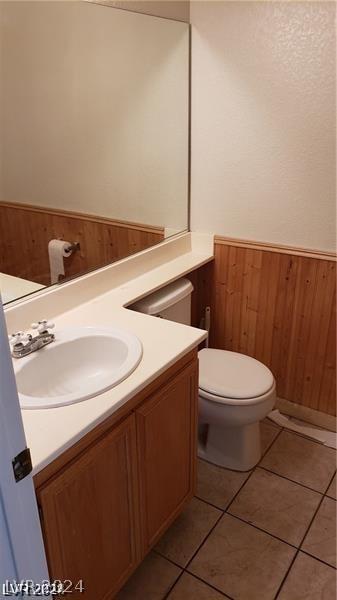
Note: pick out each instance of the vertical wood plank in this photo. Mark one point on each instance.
(30, 231)
(283, 320)
(327, 396)
(302, 326)
(266, 307)
(220, 319)
(323, 305)
(280, 309)
(237, 298)
(249, 301)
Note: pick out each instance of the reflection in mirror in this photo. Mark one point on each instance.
(94, 138)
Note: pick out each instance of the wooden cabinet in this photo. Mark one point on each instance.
(105, 502)
(166, 436)
(90, 515)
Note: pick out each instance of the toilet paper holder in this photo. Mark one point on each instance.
(73, 247)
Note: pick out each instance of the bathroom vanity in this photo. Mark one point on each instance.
(113, 471)
(114, 466)
(107, 500)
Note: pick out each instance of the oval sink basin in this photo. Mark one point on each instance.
(79, 364)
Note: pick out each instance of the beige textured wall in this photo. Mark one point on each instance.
(263, 121)
(94, 111)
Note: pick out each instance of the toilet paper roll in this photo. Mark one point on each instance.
(57, 250)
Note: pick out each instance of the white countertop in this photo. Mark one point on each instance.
(12, 287)
(99, 299)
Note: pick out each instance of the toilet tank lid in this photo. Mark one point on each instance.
(164, 297)
(232, 375)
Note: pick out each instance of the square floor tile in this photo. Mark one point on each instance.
(301, 460)
(271, 423)
(279, 506)
(241, 561)
(309, 579)
(332, 489)
(190, 588)
(217, 485)
(268, 435)
(189, 530)
(152, 580)
(320, 540)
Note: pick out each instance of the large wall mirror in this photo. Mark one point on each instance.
(93, 138)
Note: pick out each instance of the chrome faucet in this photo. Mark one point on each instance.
(23, 343)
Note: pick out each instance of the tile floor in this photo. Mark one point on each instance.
(266, 534)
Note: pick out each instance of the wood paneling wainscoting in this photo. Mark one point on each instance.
(278, 305)
(25, 231)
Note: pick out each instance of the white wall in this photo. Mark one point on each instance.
(263, 121)
(95, 111)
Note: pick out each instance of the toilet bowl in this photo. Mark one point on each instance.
(235, 391)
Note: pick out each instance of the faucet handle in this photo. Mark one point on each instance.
(20, 337)
(43, 325)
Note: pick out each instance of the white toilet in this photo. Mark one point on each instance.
(235, 391)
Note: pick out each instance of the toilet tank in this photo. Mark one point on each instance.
(172, 302)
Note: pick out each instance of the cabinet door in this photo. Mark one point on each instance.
(89, 515)
(166, 440)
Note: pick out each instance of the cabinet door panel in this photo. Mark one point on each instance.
(89, 515)
(166, 439)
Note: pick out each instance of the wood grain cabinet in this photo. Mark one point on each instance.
(90, 515)
(105, 502)
(166, 436)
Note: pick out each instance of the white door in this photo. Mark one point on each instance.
(22, 554)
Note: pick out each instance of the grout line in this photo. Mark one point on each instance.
(231, 501)
(291, 480)
(268, 421)
(314, 516)
(204, 540)
(307, 437)
(236, 493)
(239, 490)
(310, 439)
(311, 521)
(222, 511)
(330, 497)
(263, 531)
(173, 562)
(296, 554)
(184, 569)
(201, 543)
(252, 471)
(269, 447)
(210, 585)
(173, 584)
(286, 575)
(331, 480)
(211, 504)
(316, 558)
(225, 510)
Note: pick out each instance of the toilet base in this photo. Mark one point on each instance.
(236, 448)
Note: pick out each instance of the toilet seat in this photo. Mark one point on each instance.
(235, 393)
(232, 378)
